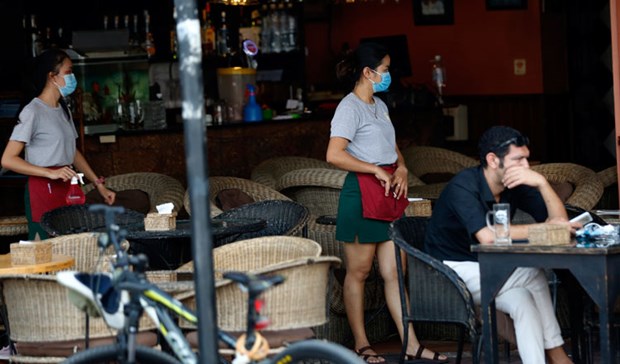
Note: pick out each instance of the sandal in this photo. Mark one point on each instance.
(419, 359)
(365, 357)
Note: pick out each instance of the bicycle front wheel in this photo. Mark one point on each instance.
(315, 352)
(114, 354)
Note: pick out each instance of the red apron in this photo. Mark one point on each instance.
(375, 205)
(45, 195)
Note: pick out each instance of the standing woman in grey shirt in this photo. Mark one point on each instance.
(45, 132)
(374, 193)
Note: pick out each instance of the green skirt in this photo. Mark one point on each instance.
(350, 221)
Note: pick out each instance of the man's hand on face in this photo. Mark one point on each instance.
(522, 175)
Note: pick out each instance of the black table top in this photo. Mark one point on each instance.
(219, 227)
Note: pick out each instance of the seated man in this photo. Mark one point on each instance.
(458, 221)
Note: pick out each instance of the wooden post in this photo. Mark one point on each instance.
(614, 15)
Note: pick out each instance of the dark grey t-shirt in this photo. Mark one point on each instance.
(48, 133)
(368, 128)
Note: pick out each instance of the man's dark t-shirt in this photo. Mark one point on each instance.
(460, 212)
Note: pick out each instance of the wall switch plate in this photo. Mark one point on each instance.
(520, 66)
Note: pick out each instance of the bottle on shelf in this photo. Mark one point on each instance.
(35, 35)
(75, 195)
(252, 110)
(439, 77)
(208, 32)
(149, 42)
(223, 46)
(105, 22)
(173, 35)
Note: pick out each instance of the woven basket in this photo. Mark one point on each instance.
(298, 302)
(13, 225)
(160, 222)
(419, 208)
(32, 253)
(548, 234)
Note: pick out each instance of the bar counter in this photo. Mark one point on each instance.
(232, 149)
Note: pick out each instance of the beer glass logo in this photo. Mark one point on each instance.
(501, 217)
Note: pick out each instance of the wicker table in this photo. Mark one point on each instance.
(58, 262)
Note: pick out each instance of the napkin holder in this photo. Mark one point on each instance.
(548, 234)
(419, 207)
(31, 253)
(160, 222)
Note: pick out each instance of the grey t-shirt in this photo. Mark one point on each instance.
(48, 134)
(368, 128)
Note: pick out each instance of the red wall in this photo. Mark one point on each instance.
(478, 49)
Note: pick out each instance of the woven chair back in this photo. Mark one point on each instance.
(160, 187)
(316, 188)
(77, 219)
(587, 185)
(281, 217)
(269, 171)
(425, 160)
(257, 191)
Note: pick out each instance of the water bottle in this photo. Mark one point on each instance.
(252, 111)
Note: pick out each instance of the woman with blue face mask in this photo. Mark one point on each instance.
(363, 142)
(46, 133)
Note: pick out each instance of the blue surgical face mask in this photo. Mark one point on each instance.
(70, 85)
(386, 79)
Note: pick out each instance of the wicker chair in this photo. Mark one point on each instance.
(13, 225)
(586, 185)
(437, 293)
(77, 219)
(434, 166)
(281, 218)
(46, 327)
(257, 191)
(269, 171)
(160, 188)
(297, 304)
(82, 247)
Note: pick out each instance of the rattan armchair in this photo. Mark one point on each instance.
(256, 190)
(281, 218)
(586, 184)
(434, 166)
(269, 171)
(77, 219)
(293, 307)
(160, 188)
(46, 327)
(436, 293)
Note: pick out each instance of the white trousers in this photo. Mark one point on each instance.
(525, 297)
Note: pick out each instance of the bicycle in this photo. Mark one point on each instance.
(123, 295)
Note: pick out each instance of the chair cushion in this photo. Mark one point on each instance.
(436, 177)
(69, 347)
(563, 189)
(232, 197)
(136, 200)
